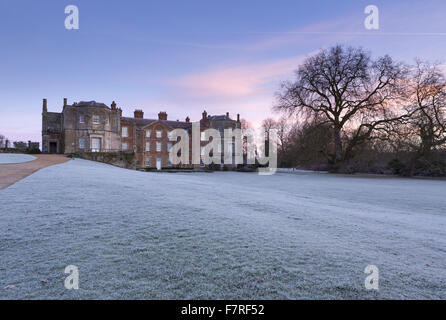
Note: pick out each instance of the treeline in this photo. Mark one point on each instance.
(18, 146)
(347, 112)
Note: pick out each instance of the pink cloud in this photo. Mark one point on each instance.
(236, 81)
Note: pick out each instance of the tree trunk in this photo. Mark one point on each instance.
(337, 146)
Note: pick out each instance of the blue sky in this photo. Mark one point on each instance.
(186, 56)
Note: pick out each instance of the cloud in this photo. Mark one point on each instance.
(236, 81)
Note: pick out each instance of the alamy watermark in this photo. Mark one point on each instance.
(372, 280)
(72, 281)
(371, 22)
(234, 147)
(72, 20)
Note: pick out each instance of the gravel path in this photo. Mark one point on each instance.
(12, 172)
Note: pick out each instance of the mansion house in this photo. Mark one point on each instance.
(90, 126)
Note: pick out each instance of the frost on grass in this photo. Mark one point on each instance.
(220, 235)
(7, 158)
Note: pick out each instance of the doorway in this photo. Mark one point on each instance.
(53, 147)
(158, 163)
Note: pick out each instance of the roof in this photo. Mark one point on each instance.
(91, 103)
(145, 122)
(138, 121)
(219, 118)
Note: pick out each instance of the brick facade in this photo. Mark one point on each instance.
(92, 126)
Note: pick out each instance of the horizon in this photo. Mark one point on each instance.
(156, 57)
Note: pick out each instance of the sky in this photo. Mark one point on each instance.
(184, 57)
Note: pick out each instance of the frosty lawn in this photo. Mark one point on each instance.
(6, 158)
(220, 235)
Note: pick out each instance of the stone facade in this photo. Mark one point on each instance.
(81, 127)
(52, 133)
(94, 127)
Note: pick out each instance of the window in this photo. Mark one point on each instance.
(219, 148)
(148, 160)
(96, 144)
(169, 163)
(81, 119)
(96, 119)
(169, 146)
(203, 136)
(107, 121)
(148, 133)
(125, 146)
(159, 133)
(202, 151)
(158, 147)
(81, 143)
(125, 132)
(147, 146)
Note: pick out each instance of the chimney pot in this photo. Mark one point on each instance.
(227, 115)
(139, 114)
(45, 109)
(187, 119)
(65, 101)
(238, 117)
(204, 114)
(162, 115)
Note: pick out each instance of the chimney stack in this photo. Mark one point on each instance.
(139, 114)
(187, 119)
(113, 105)
(227, 115)
(45, 109)
(162, 115)
(238, 117)
(64, 102)
(204, 114)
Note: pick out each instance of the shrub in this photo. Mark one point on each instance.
(397, 167)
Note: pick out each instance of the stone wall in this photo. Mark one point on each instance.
(120, 159)
(52, 131)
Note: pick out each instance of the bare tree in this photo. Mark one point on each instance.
(307, 143)
(246, 128)
(426, 128)
(283, 127)
(346, 89)
(267, 125)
